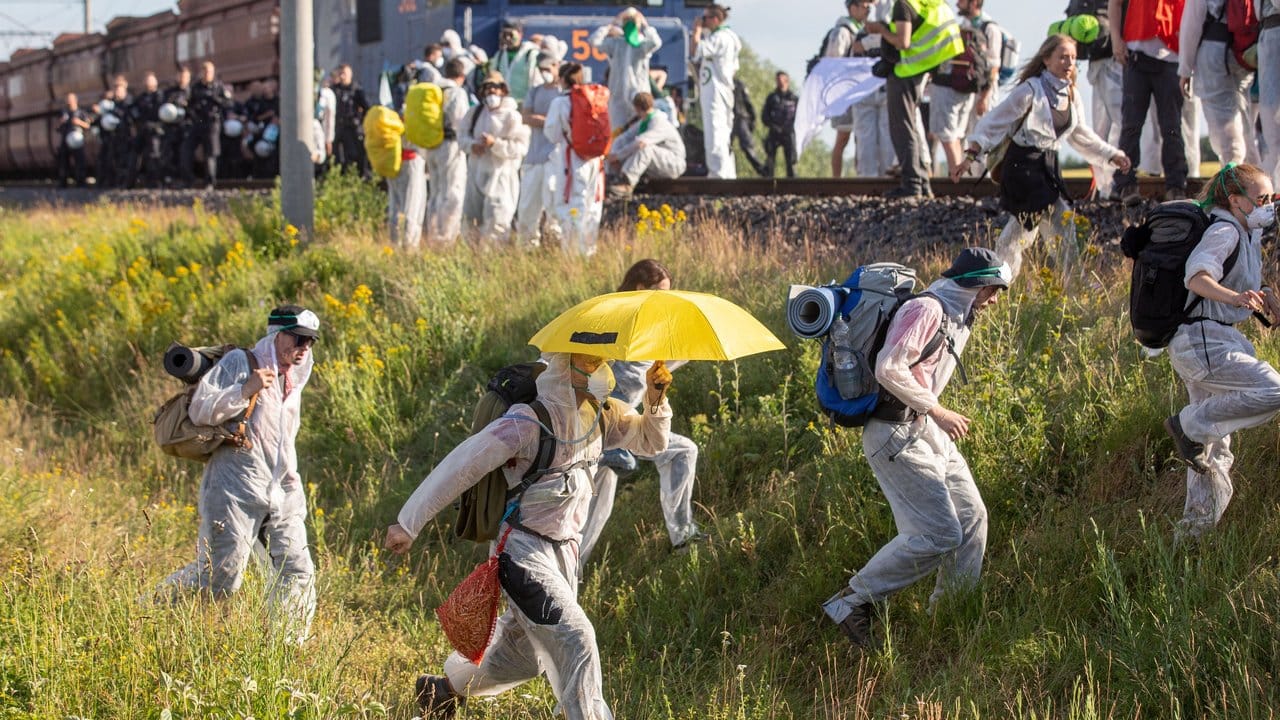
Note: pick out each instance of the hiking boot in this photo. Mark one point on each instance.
(1190, 452)
(436, 698)
(857, 626)
(682, 547)
(904, 192)
(618, 192)
(1175, 193)
(1130, 196)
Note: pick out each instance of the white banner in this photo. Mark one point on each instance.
(834, 85)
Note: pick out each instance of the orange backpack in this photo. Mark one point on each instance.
(590, 134)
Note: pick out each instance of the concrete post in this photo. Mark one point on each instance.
(297, 110)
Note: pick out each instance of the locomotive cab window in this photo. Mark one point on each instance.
(368, 21)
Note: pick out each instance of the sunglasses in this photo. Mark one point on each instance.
(1264, 199)
(302, 342)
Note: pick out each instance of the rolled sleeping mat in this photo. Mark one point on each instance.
(810, 310)
(188, 364)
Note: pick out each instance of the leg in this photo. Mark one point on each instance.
(415, 202)
(1241, 391)
(789, 152)
(1106, 78)
(1013, 240)
(771, 146)
(529, 207)
(606, 485)
(963, 568)
(676, 469)
(1169, 103)
(1269, 100)
(837, 152)
(903, 98)
(293, 593)
(1133, 112)
(1223, 100)
(1208, 494)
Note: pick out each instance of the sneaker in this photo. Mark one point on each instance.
(697, 537)
(857, 626)
(1130, 196)
(1175, 193)
(436, 698)
(904, 192)
(1190, 452)
(619, 192)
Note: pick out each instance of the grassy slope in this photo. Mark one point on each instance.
(1085, 611)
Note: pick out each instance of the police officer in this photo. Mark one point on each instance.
(348, 141)
(779, 116)
(114, 134)
(71, 149)
(209, 99)
(144, 118)
(179, 96)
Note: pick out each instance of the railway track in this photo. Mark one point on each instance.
(705, 187)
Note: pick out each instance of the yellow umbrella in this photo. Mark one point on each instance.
(657, 325)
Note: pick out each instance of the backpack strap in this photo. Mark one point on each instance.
(241, 436)
(542, 460)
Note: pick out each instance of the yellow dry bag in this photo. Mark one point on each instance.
(424, 115)
(382, 131)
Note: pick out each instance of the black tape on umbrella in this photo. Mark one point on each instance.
(590, 338)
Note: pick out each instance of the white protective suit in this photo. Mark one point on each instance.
(662, 155)
(577, 185)
(453, 50)
(1269, 88)
(519, 69)
(628, 68)
(493, 177)
(407, 198)
(1220, 82)
(676, 467)
(940, 516)
(535, 174)
(544, 630)
(717, 58)
(1229, 387)
(447, 166)
(253, 493)
(1106, 77)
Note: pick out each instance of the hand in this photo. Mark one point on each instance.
(983, 104)
(259, 379)
(858, 48)
(1122, 162)
(1251, 299)
(640, 145)
(398, 540)
(615, 31)
(478, 148)
(876, 27)
(1120, 54)
(658, 379)
(488, 140)
(953, 424)
(1185, 84)
(328, 148)
(960, 169)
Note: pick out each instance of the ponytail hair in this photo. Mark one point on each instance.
(1230, 180)
(568, 71)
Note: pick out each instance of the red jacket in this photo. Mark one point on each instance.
(1148, 19)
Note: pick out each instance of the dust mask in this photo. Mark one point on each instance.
(492, 101)
(1262, 217)
(599, 383)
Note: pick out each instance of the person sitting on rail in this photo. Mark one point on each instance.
(649, 146)
(1042, 111)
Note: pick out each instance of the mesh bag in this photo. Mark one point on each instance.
(470, 613)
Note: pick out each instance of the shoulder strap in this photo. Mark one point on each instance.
(241, 436)
(546, 451)
(940, 339)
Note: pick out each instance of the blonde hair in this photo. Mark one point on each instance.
(1230, 180)
(1038, 62)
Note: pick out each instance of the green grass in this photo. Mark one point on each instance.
(1086, 609)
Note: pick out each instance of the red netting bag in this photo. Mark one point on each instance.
(470, 613)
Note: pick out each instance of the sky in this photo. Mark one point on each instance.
(757, 21)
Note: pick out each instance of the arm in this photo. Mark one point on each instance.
(513, 144)
(1093, 148)
(527, 114)
(1204, 269)
(917, 322)
(900, 35)
(1002, 120)
(1189, 35)
(995, 49)
(220, 396)
(598, 37)
(650, 41)
(465, 138)
(472, 459)
(556, 126)
(1115, 12)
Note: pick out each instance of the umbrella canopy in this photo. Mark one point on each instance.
(657, 325)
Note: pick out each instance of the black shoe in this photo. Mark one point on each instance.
(857, 626)
(1190, 452)
(904, 192)
(436, 698)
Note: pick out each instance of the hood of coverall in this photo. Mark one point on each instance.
(571, 418)
(957, 300)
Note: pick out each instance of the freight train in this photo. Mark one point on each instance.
(241, 37)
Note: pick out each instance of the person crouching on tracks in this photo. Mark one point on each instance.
(496, 139)
(910, 445)
(1229, 387)
(577, 185)
(255, 492)
(1040, 113)
(649, 146)
(544, 628)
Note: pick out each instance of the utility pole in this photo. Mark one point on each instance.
(297, 77)
(88, 16)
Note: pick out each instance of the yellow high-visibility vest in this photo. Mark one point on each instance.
(934, 42)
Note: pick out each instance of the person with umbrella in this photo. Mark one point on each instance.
(543, 627)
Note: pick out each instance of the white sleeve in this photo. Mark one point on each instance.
(1190, 33)
(1001, 121)
(514, 144)
(598, 36)
(1212, 252)
(1088, 143)
(217, 396)
(995, 44)
(643, 434)
(839, 42)
(651, 41)
(908, 334)
(556, 126)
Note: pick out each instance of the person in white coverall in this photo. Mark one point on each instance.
(447, 162)
(1207, 65)
(676, 465)
(629, 41)
(496, 139)
(1269, 84)
(910, 445)
(407, 197)
(649, 146)
(1229, 387)
(577, 185)
(535, 174)
(544, 629)
(714, 47)
(516, 60)
(255, 492)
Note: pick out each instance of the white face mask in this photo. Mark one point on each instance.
(492, 101)
(599, 383)
(547, 76)
(1262, 217)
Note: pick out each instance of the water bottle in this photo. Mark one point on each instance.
(844, 364)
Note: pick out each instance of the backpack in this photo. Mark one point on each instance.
(382, 131)
(842, 24)
(846, 385)
(590, 134)
(1099, 49)
(1010, 49)
(1243, 24)
(483, 506)
(971, 69)
(424, 122)
(1159, 248)
(179, 436)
